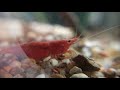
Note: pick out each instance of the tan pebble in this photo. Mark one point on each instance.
(97, 75)
(40, 38)
(70, 65)
(88, 73)
(31, 34)
(7, 68)
(15, 64)
(116, 66)
(71, 53)
(4, 74)
(109, 73)
(57, 76)
(47, 58)
(4, 44)
(118, 72)
(62, 71)
(25, 66)
(75, 70)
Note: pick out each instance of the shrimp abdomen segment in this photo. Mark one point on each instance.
(36, 50)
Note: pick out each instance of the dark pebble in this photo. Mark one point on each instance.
(86, 64)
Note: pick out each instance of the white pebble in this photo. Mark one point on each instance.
(49, 37)
(86, 51)
(54, 62)
(63, 31)
(41, 76)
(80, 75)
(41, 28)
(67, 61)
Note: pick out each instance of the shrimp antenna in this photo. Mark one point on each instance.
(77, 33)
(108, 29)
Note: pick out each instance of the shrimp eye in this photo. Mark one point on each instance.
(69, 40)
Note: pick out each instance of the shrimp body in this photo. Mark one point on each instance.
(40, 50)
(36, 50)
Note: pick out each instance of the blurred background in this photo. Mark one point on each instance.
(79, 22)
(85, 19)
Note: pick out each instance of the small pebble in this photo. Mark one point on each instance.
(57, 76)
(96, 74)
(80, 75)
(110, 73)
(16, 70)
(15, 64)
(4, 74)
(70, 65)
(71, 53)
(41, 76)
(7, 68)
(67, 61)
(49, 37)
(25, 66)
(4, 44)
(116, 63)
(118, 72)
(54, 62)
(18, 76)
(75, 70)
(31, 35)
(47, 58)
(86, 51)
(30, 73)
(62, 71)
